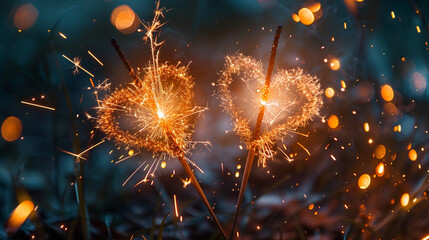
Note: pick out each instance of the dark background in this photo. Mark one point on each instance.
(374, 50)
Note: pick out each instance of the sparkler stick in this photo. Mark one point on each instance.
(174, 143)
(256, 131)
(181, 156)
(124, 60)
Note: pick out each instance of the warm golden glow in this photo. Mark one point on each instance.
(156, 111)
(329, 92)
(130, 152)
(405, 199)
(366, 127)
(295, 17)
(425, 237)
(364, 181)
(293, 99)
(124, 19)
(335, 64)
(313, 6)
(25, 17)
(19, 215)
(163, 164)
(380, 151)
(306, 16)
(333, 121)
(379, 170)
(390, 108)
(11, 129)
(163, 102)
(412, 155)
(392, 14)
(387, 93)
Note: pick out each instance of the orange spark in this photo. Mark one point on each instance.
(92, 55)
(37, 105)
(62, 35)
(77, 64)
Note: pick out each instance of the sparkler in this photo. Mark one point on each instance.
(156, 111)
(294, 98)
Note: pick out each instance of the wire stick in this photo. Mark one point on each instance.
(256, 131)
(124, 59)
(181, 156)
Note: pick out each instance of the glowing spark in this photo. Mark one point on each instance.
(93, 146)
(79, 156)
(186, 182)
(175, 206)
(38, 105)
(92, 55)
(92, 83)
(293, 99)
(76, 63)
(306, 150)
(133, 173)
(62, 35)
(163, 103)
(392, 14)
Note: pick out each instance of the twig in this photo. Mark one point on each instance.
(256, 131)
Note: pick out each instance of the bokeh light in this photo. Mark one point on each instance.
(387, 93)
(295, 17)
(366, 127)
(412, 155)
(379, 170)
(380, 151)
(333, 121)
(306, 16)
(419, 82)
(124, 19)
(329, 92)
(25, 17)
(19, 215)
(313, 6)
(364, 181)
(11, 129)
(335, 64)
(405, 199)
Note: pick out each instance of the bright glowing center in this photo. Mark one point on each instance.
(161, 114)
(263, 102)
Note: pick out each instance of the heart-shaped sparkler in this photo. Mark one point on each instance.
(141, 114)
(275, 108)
(293, 98)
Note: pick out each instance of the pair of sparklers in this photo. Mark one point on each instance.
(156, 111)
